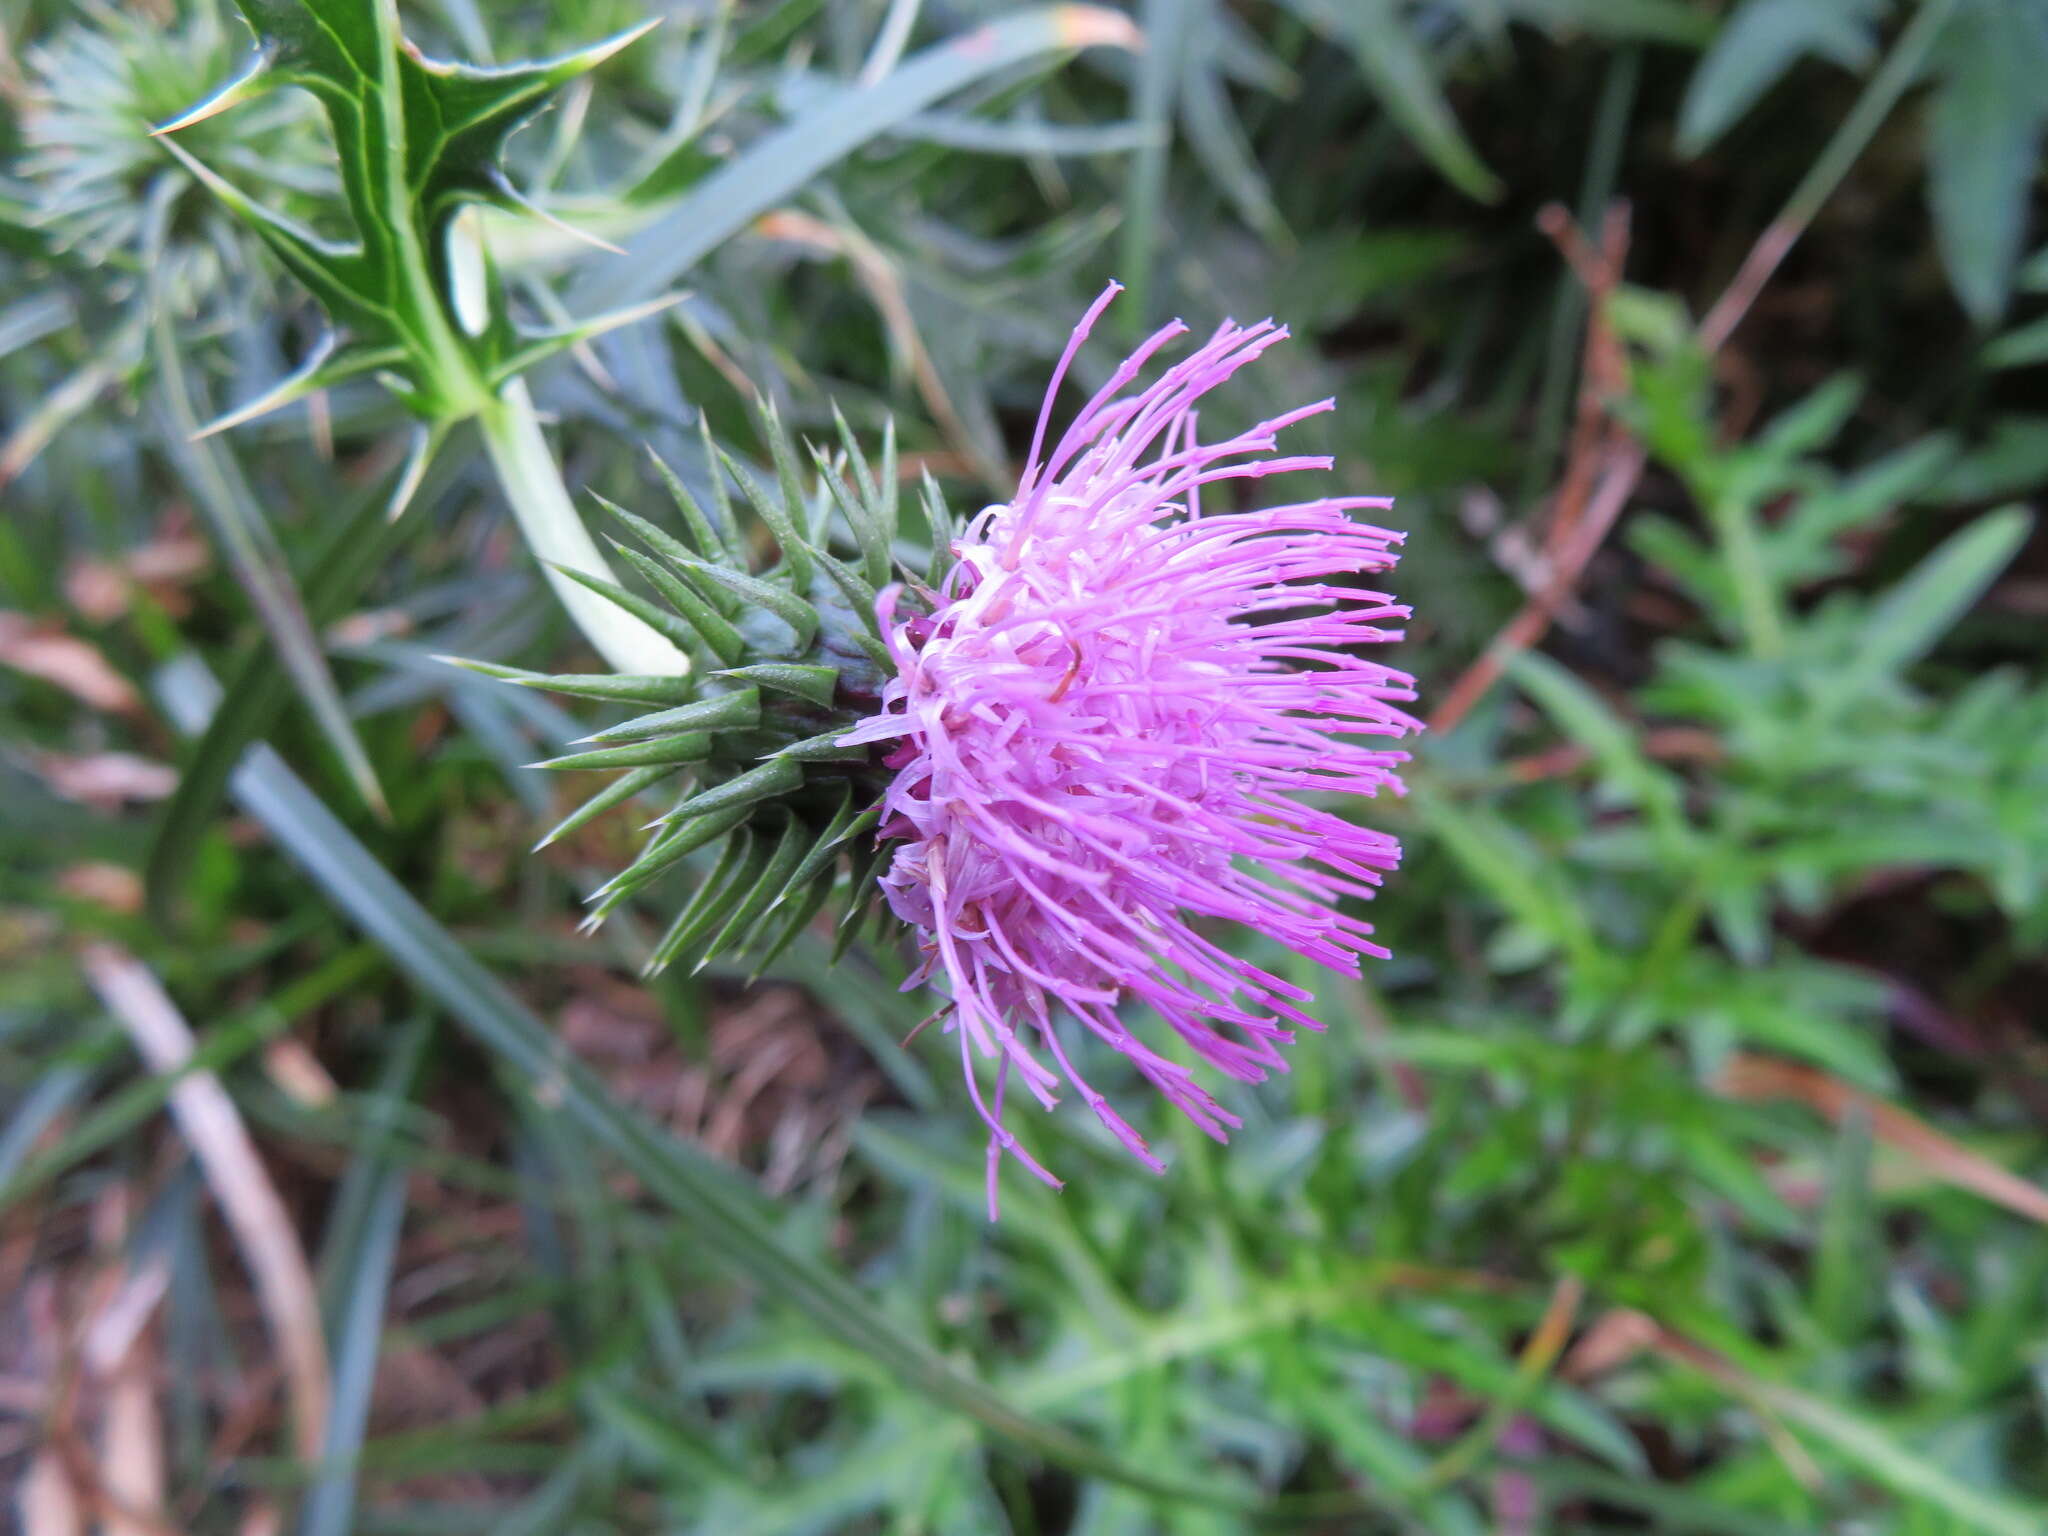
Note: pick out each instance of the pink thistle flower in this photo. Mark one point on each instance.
(1103, 729)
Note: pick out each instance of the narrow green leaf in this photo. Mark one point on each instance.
(798, 916)
(617, 792)
(725, 711)
(258, 689)
(768, 888)
(767, 173)
(245, 537)
(1984, 146)
(1402, 76)
(724, 641)
(1758, 43)
(799, 615)
(357, 1256)
(613, 687)
(795, 548)
(692, 747)
(739, 864)
(670, 626)
(710, 541)
(662, 855)
(780, 516)
(771, 779)
(817, 684)
(1912, 616)
(822, 748)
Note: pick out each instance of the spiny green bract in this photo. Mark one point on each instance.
(784, 661)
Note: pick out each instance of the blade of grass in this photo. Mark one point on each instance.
(225, 1043)
(257, 693)
(767, 173)
(356, 1259)
(209, 1121)
(215, 480)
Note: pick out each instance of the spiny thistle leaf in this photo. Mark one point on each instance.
(418, 139)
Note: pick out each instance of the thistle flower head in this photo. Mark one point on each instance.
(1103, 735)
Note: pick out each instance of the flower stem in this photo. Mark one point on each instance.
(556, 535)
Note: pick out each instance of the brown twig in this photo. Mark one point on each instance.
(1601, 466)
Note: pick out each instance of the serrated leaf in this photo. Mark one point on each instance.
(539, 347)
(1905, 623)
(329, 364)
(418, 139)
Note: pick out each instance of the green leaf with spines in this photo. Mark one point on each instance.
(799, 615)
(822, 748)
(845, 825)
(805, 680)
(739, 865)
(618, 792)
(780, 518)
(617, 687)
(796, 547)
(710, 541)
(800, 912)
(944, 530)
(860, 876)
(724, 711)
(664, 853)
(769, 887)
(417, 139)
(678, 555)
(705, 622)
(771, 780)
(728, 521)
(661, 620)
(691, 747)
(868, 533)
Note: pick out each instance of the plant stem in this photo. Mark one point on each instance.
(1900, 69)
(556, 535)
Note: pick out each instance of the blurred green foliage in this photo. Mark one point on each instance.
(1681, 1172)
